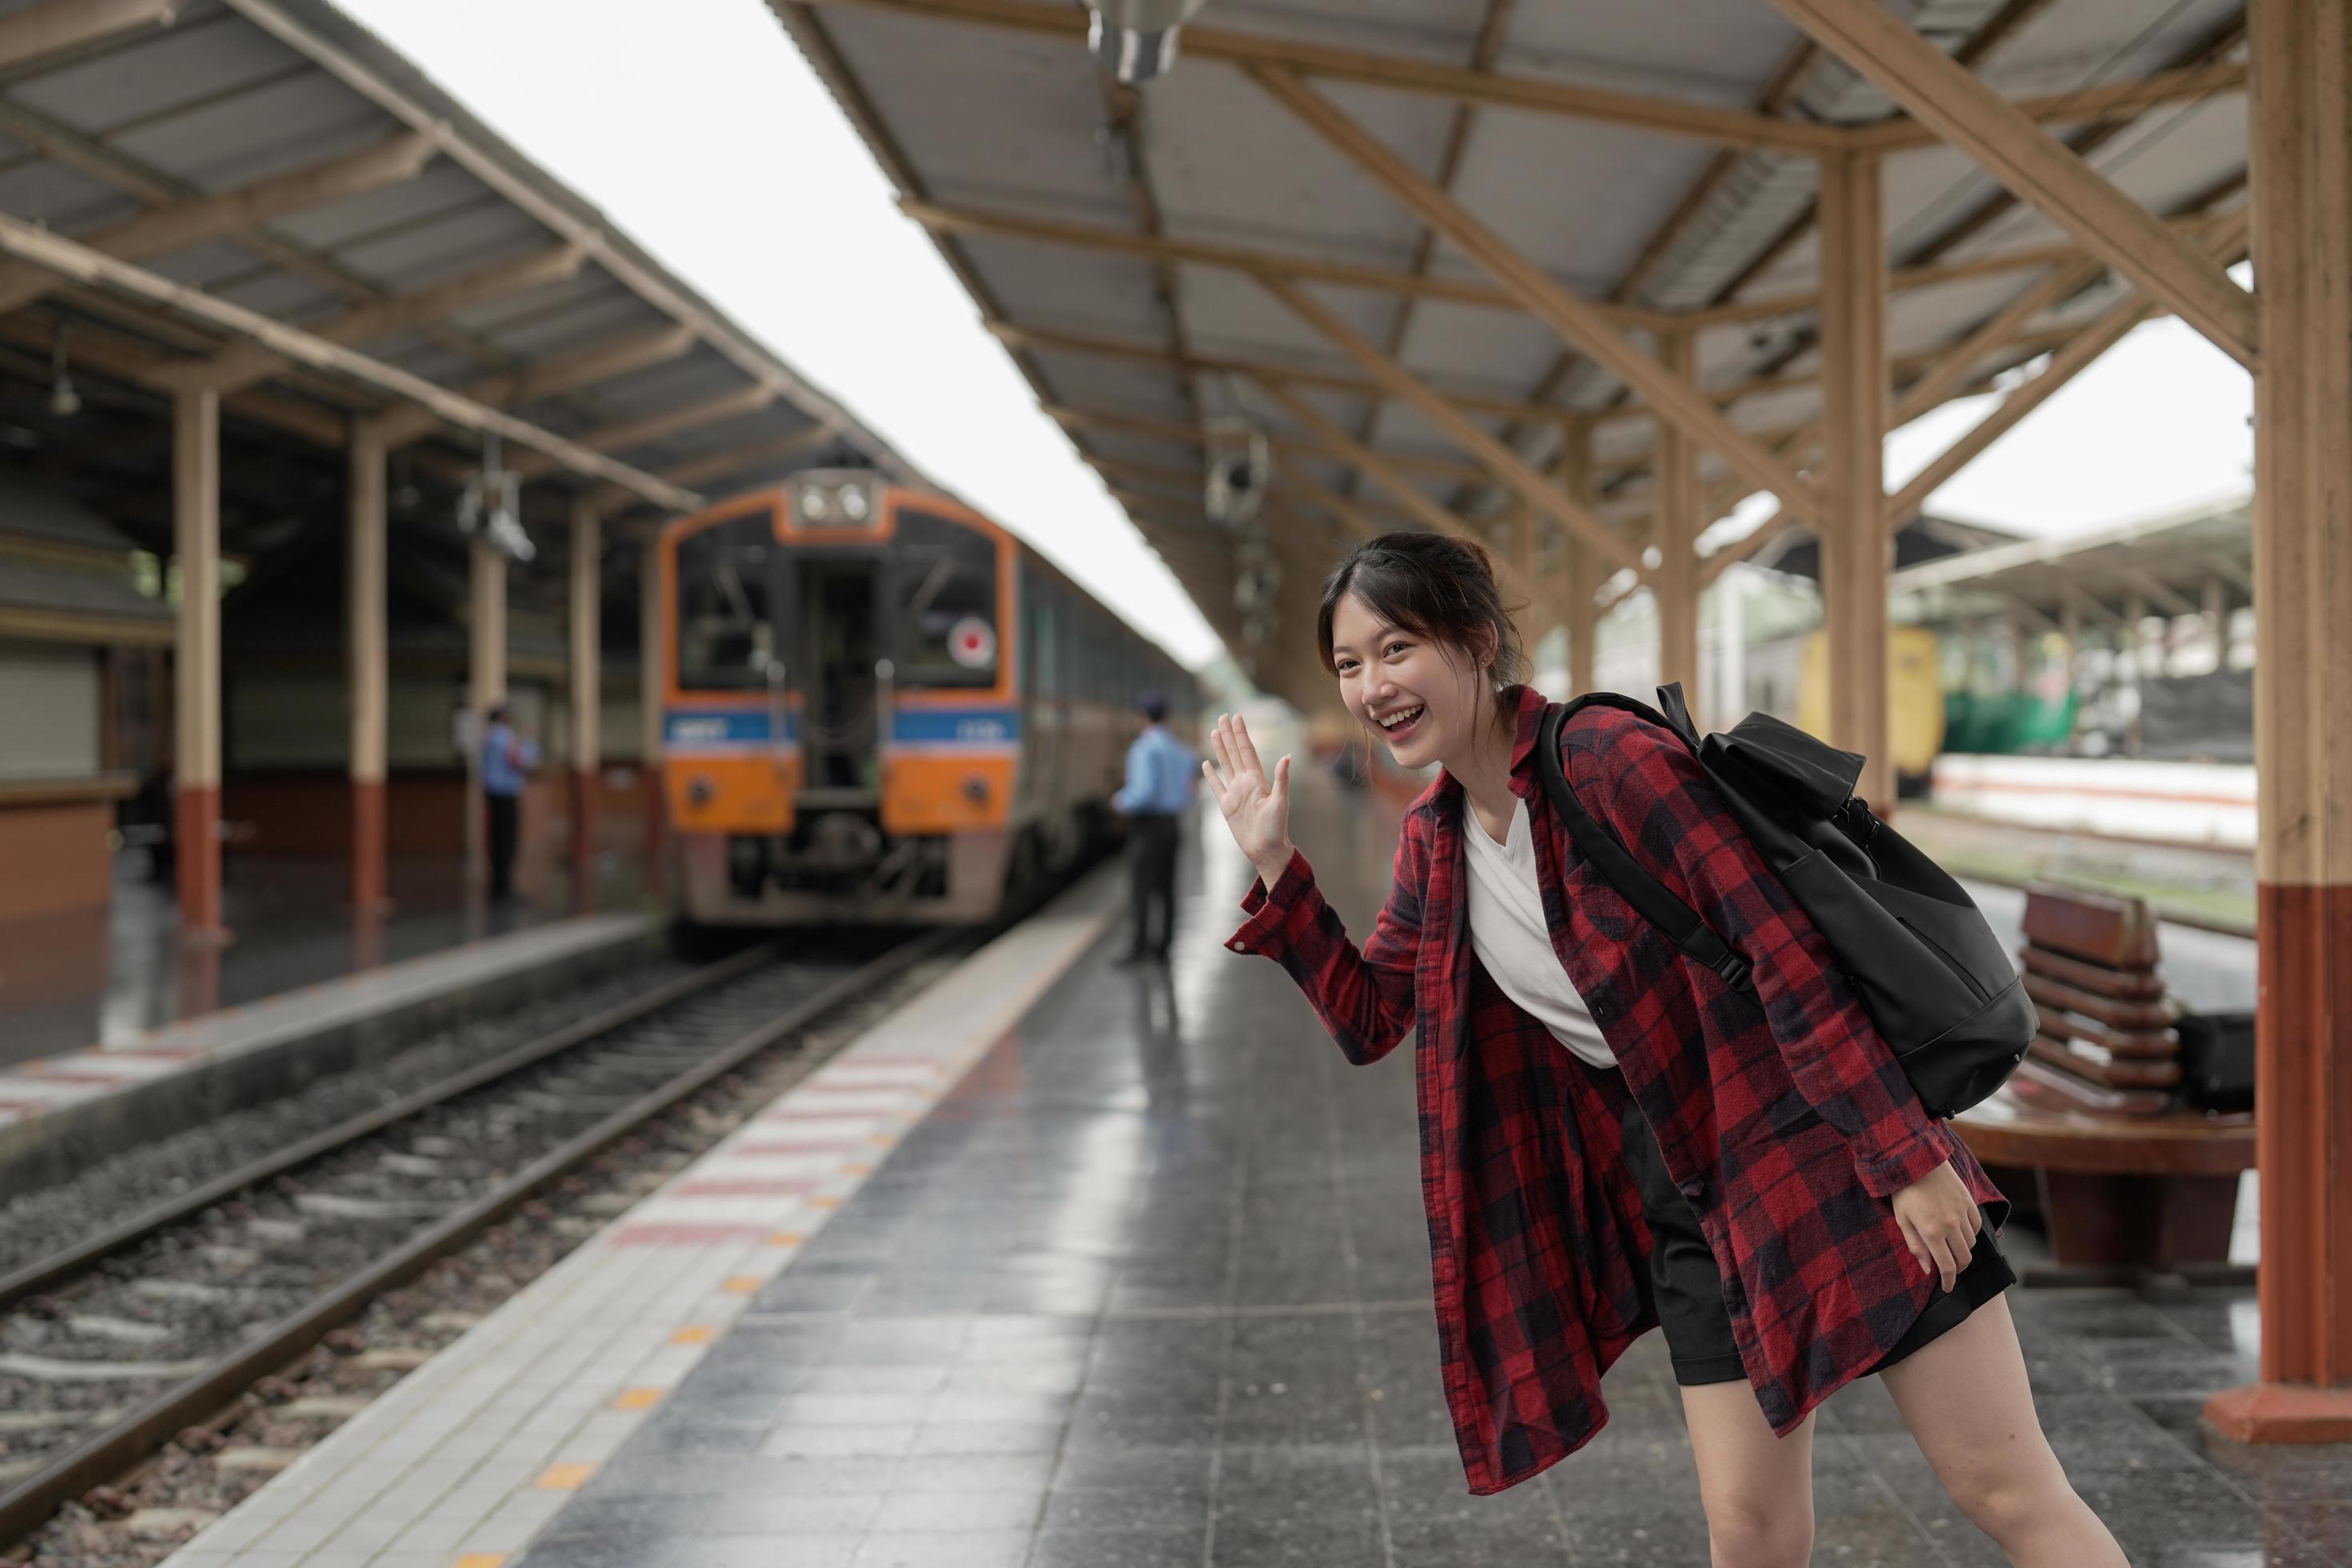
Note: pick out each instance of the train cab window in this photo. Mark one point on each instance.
(943, 596)
(726, 623)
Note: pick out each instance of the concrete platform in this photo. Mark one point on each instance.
(1141, 1280)
(62, 1112)
(110, 976)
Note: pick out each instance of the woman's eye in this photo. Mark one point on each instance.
(1392, 647)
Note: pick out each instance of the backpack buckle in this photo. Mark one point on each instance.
(1737, 972)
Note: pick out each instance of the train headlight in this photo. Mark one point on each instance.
(699, 789)
(836, 499)
(975, 790)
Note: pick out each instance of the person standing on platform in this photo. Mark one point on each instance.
(506, 762)
(1612, 1138)
(1158, 787)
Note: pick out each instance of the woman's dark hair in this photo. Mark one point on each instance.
(1433, 585)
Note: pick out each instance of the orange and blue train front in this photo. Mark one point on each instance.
(840, 737)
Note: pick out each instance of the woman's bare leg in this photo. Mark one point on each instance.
(1758, 1488)
(1966, 1399)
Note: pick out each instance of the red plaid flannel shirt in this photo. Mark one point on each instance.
(1783, 1117)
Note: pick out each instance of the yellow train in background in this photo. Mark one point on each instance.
(879, 706)
(1914, 679)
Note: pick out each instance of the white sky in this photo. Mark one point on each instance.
(698, 128)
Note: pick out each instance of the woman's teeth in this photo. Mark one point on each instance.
(1398, 722)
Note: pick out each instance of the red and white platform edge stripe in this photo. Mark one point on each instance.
(463, 1460)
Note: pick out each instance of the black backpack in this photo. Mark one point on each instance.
(1925, 966)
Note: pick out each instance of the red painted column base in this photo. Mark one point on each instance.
(584, 839)
(368, 895)
(2281, 1413)
(655, 868)
(197, 855)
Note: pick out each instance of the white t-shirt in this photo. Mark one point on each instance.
(1508, 934)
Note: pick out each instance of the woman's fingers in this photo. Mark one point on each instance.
(1216, 785)
(1282, 786)
(1217, 747)
(1247, 749)
(1948, 1261)
(1912, 1239)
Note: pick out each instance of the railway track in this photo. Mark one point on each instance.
(114, 1343)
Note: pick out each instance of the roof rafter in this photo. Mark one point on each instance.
(29, 242)
(1636, 111)
(250, 361)
(163, 230)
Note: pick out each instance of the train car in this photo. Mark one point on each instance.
(879, 706)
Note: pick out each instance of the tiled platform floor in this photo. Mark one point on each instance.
(43, 1096)
(115, 974)
(1149, 1289)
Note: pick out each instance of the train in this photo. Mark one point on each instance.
(881, 707)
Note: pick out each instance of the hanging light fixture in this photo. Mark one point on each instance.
(1135, 40)
(64, 401)
(491, 506)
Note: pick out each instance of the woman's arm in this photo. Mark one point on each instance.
(1365, 998)
(1645, 783)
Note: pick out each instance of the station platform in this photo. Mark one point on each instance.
(115, 976)
(63, 1108)
(1070, 1266)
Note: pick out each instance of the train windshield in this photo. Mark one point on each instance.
(943, 596)
(726, 624)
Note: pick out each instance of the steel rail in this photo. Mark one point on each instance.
(67, 1262)
(24, 1506)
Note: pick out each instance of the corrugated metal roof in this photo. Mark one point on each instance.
(235, 94)
(992, 111)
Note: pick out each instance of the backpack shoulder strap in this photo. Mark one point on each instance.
(1649, 896)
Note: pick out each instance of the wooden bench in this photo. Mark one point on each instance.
(2092, 1132)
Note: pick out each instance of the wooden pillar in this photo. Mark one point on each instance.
(1580, 570)
(652, 659)
(366, 611)
(587, 695)
(1678, 499)
(1857, 548)
(196, 544)
(486, 687)
(2301, 155)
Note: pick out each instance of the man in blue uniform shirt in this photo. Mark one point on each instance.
(506, 762)
(1161, 771)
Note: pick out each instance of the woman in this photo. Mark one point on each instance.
(1611, 1137)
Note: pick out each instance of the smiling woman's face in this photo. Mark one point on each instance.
(1420, 695)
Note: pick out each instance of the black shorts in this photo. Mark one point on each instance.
(1688, 1289)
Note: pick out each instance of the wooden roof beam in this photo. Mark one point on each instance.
(30, 242)
(548, 378)
(59, 27)
(1178, 434)
(707, 470)
(630, 434)
(1668, 117)
(1379, 470)
(2114, 101)
(568, 218)
(1241, 258)
(251, 362)
(2228, 239)
(1349, 511)
(1051, 340)
(1953, 101)
(178, 225)
(1507, 465)
(1576, 320)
